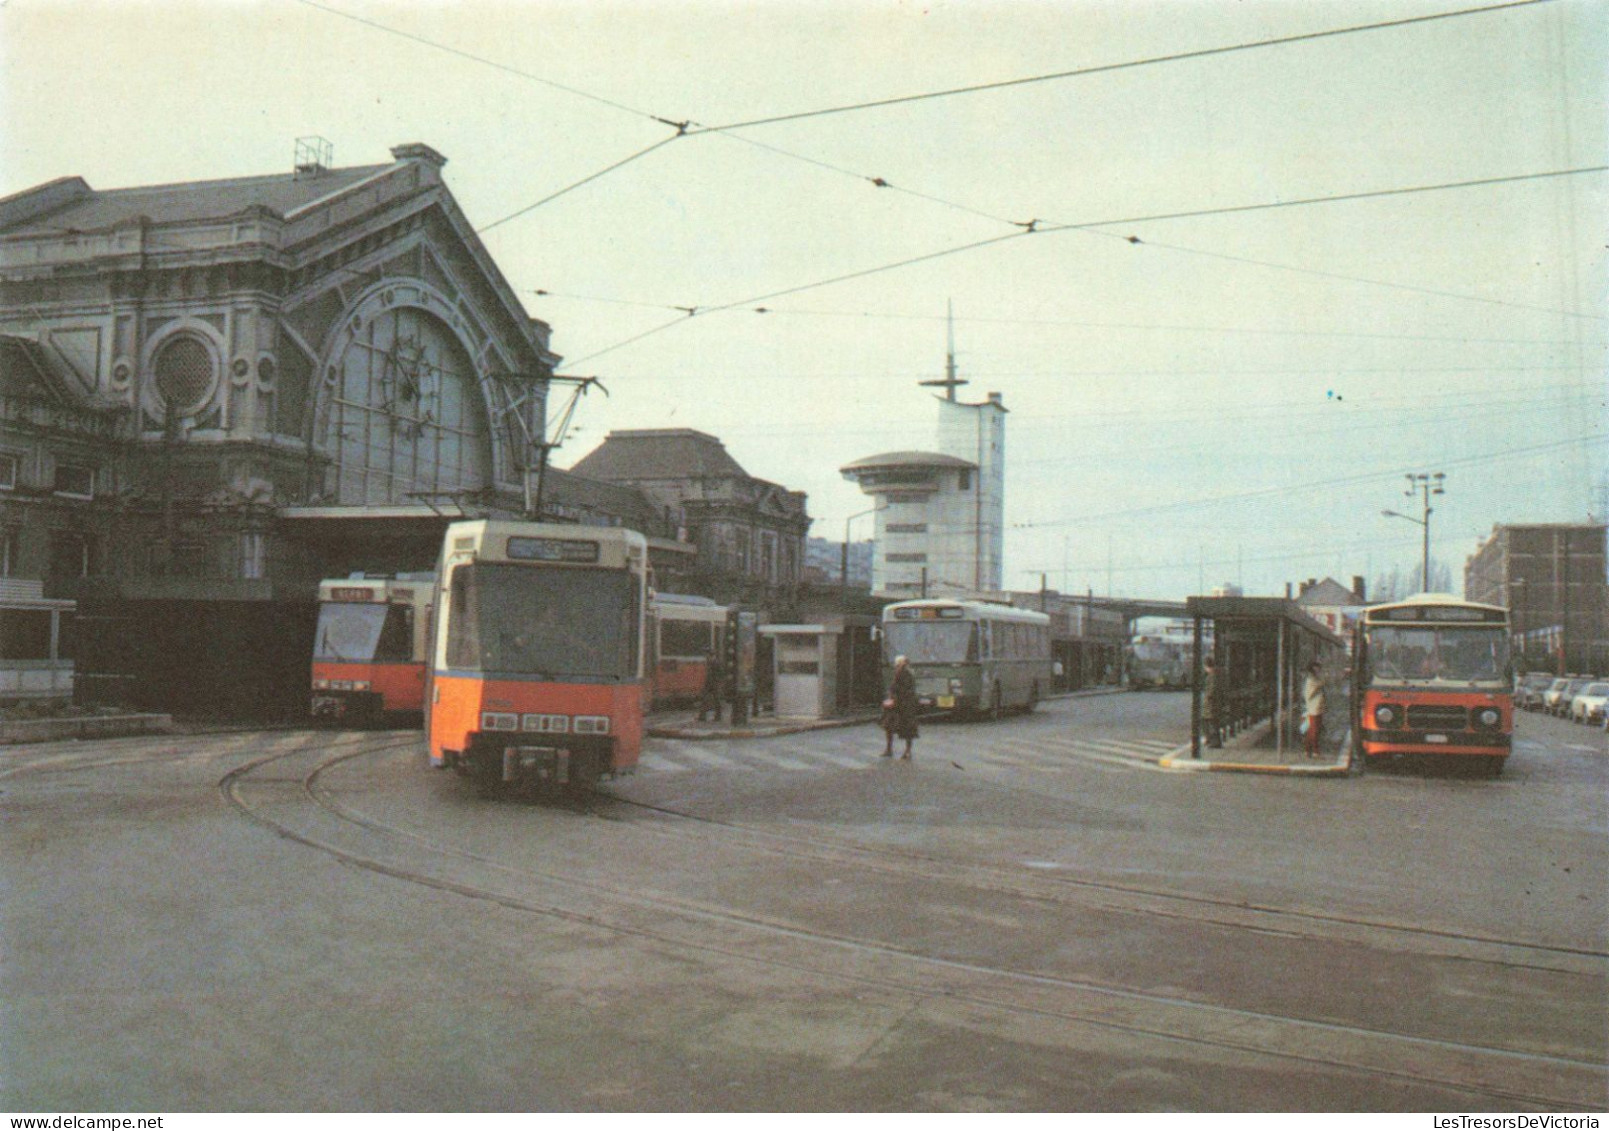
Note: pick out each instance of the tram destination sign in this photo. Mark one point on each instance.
(568, 550)
(929, 614)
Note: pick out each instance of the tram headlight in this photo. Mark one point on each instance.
(1388, 715)
(1488, 718)
(499, 720)
(592, 724)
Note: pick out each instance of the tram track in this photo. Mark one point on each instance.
(1159, 903)
(297, 806)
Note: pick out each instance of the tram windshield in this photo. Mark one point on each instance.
(932, 642)
(531, 620)
(1459, 655)
(351, 632)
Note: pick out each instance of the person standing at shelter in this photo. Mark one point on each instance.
(899, 709)
(1209, 703)
(709, 702)
(1313, 707)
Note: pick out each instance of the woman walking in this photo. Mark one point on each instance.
(899, 709)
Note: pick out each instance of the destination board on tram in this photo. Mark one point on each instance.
(566, 550)
(929, 614)
(351, 593)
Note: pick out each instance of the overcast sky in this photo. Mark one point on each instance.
(1234, 398)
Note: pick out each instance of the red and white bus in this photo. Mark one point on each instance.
(685, 631)
(1432, 675)
(369, 646)
(538, 657)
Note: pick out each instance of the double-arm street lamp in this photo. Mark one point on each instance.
(1425, 485)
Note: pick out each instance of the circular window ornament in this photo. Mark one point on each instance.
(121, 372)
(184, 373)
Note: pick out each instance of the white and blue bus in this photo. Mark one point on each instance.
(970, 656)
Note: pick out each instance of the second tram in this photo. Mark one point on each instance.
(369, 646)
(1431, 675)
(970, 656)
(538, 655)
(685, 631)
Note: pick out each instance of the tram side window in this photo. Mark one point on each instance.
(684, 639)
(463, 627)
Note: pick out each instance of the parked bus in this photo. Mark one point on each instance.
(369, 646)
(685, 631)
(970, 656)
(1431, 675)
(1158, 661)
(538, 659)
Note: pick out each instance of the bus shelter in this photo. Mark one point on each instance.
(1260, 647)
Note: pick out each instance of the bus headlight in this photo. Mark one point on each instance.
(955, 686)
(1388, 715)
(1488, 718)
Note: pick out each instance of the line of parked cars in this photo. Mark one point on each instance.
(1579, 698)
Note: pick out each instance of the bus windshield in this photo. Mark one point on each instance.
(535, 620)
(932, 642)
(352, 632)
(1460, 655)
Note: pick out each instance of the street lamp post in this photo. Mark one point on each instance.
(1425, 485)
(843, 571)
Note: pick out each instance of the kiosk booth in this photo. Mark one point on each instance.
(823, 670)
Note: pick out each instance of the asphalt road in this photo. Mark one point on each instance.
(1030, 916)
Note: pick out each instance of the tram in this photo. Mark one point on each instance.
(369, 646)
(1431, 675)
(538, 655)
(970, 656)
(685, 630)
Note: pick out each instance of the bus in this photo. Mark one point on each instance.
(970, 656)
(369, 646)
(1431, 675)
(685, 630)
(538, 659)
(1159, 660)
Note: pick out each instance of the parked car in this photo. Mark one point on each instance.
(1589, 704)
(1557, 700)
(1528, 690)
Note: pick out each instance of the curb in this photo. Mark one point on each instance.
(26, 731)
(1184, 763)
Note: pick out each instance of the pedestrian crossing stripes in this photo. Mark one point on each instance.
(818, 753)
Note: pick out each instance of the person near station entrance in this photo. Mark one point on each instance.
(1209, 703)
(1313, 708)
(899, 709)
(709, 702)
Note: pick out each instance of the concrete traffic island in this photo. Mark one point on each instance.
(1255, 751)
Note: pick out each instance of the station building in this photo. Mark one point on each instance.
(214, 393)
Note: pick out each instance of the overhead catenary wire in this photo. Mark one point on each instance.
(1108, 68)
(1021, 233)
(1266, 492)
